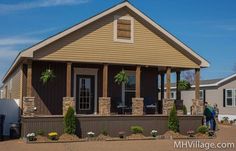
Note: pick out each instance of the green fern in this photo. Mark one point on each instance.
(121, 77)
(47, 75)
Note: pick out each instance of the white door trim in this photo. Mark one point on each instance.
(87, 71)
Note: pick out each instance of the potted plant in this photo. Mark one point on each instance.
(91, 134)
(190, 133)
(121, 135)
(121, 77)
(154, 133)
(31, 137)
(53, 136)
(47, 76)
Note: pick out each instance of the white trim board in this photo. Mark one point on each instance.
(28, 53)
(87, 71)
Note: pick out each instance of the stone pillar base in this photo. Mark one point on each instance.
(137, 106)
(197, 108)
(104, 106)
(28, 106)
(68, 102)
(180, 112)
(167, 106)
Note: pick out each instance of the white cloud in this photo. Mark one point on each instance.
(5, 8)
(8, 53)
(17, 41)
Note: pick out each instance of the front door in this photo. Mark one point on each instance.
(85, 94)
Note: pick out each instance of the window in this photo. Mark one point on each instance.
(173, 95)
(201, 94)
(128, 89)
(124, 29)
(230, 97)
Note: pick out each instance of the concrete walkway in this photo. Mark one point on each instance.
(225, 134)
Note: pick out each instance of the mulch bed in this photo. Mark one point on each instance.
(66, 138)
(173, 135)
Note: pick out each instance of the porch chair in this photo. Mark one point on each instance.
(150, 105)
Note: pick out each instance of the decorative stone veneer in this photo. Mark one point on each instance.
(68, 102)
(104, 106)
(180, 112)
(197, 107)
(167, 106)
(28, 106)
(137, 106)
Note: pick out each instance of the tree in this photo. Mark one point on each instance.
(70, 121)
(173, 121)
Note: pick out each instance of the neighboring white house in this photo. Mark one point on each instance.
(1, 93)
(216, 91)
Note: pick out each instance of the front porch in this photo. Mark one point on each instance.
(90, 89)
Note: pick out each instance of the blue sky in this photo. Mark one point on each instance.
(207, 26)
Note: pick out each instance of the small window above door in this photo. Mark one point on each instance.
(124, 29)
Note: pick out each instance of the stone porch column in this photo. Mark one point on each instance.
(198, 105)
(68, 102)
(105, 101)
(28, 106)
(167, 106)
(137, 102)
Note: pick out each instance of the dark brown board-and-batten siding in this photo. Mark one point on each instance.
(49, 97)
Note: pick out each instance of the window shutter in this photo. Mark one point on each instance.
(224, 98)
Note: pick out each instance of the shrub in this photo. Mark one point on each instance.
(173, 121)
(184, 110)
(53, 136)
(184, 85)
(104, 132)
(136, 129)
(202, 129)
(70, 121)
(39, 132)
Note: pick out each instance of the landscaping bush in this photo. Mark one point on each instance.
(136, 129)
(39, 132)
(202, 129)
(184, 110)
(70, 121)
(173, 121)
(104, 132)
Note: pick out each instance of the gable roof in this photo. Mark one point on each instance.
(211, 82)
(28, 53)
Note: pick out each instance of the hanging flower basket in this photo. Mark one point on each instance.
(121, 77)
(184, 85)
(47, 76)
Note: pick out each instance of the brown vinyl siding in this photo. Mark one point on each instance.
(94, 43)
(49, 96)
(13, 85)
